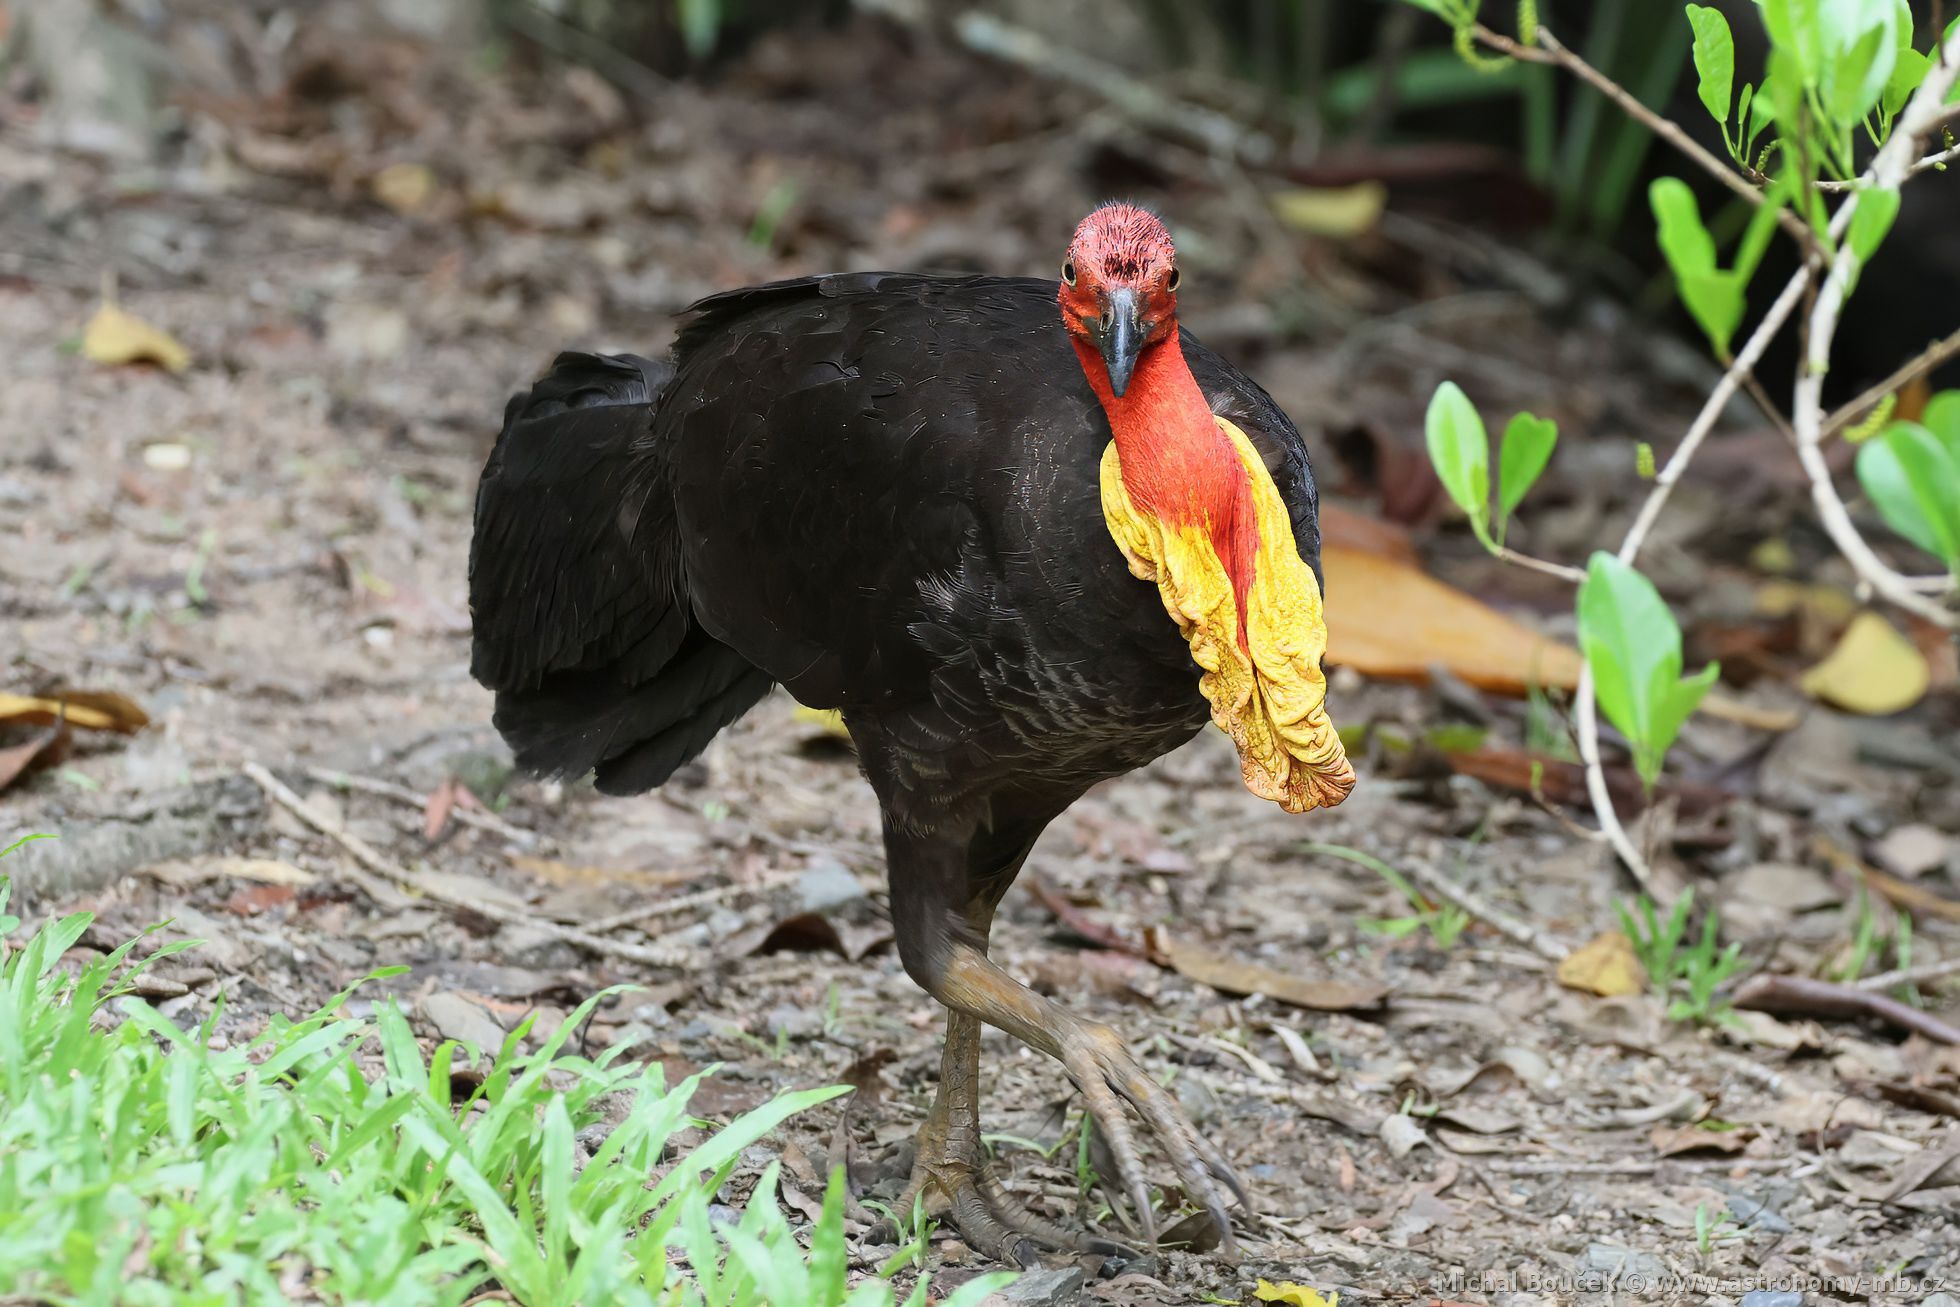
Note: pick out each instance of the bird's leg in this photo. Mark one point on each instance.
(942, 940)
(957, 1179)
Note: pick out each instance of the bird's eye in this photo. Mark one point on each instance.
(1068, 272)
(1174, 279)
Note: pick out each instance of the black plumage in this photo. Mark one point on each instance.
(880, 490)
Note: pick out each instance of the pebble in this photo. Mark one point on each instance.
(1049, 1287)
(826, 883)
(1772, 1298)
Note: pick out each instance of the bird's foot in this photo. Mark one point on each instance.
(991, 1219)
(1101, 1065)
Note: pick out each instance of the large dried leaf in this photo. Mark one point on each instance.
(1389, 620)
(1237, 976)
(95, 712)
(1874, 670)
(1606, 967)
(115, 337)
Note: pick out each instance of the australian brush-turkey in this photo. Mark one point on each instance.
(1026, 535)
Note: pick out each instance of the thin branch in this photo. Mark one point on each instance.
(1585, 704)
(1550, 50)
(1929, 358)
(1518, 932)
(484, 821)
(1711, 409)
(1910, 975)
(1560, 570)
(1927, 164)
(1889, 168)
(376, 873)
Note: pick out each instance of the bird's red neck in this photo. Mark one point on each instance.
(1177, 464)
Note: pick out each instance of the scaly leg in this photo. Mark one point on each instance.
(942, 915)
(957, 1179)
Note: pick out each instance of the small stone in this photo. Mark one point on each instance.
(826, 883)
(1051, 1287)
(1940, 1300)
(455, 1017)
(1772, 1298)
(1912, 850)
(1758, 1215)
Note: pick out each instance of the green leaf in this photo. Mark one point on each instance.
(1714, 60)
(1912, 477)
(1631, 642)
(1942, 418)
(1712, 296)
(1459, 447)
(1907, 74)
(1872, 218)
(1521, 458)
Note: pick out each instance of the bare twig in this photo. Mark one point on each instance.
(1559, 570)
(1927, 164)
(1925, 361)
(1803, 996)
(1518, 932)
(1910, 975)
(1550, 50)
(485, 821)
(1889, 167)
(379, 889)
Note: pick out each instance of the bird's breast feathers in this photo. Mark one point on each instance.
(1257, 638)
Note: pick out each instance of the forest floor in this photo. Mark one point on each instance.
(267, 552)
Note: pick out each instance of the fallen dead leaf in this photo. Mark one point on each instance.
(1237, 976)
(1332, 210)
(1606, 967)
(1293, 1295)
(91, 711)
(404, 187)
(1396, 622)
(256, 899)
(1874, 670)
(1673, 1140)
(43, 749)
(266, 871)
(565, 873)
(115, 337)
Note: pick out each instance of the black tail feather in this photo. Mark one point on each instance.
(581, 617)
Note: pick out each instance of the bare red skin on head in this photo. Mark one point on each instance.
(1177, 465)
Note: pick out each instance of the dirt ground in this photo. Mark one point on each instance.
(268, 551)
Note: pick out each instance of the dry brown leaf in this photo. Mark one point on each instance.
(1606, 967)
(1237, 976)
(95, 712)
(1873, 670)
(565, 873)
(1391, 620)
(44, 749)
(115, 337)
(266, 871)
(404, 187)
(1332, 210)
(1673, 1140)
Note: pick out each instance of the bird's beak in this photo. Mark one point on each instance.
(1121, 337)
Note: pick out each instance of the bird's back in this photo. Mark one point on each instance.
(882, 490)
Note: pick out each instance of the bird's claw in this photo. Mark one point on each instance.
(996, 1224)
(1102, 1067)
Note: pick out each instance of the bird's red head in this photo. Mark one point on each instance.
(1119, 287)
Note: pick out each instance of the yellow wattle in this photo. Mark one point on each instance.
(1272, 699)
